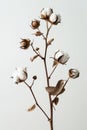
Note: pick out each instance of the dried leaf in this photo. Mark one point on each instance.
(33, 58)
(32, 108)
(55, 62)
(50, 90)
(62, 91)
(50, 41)
(60, 87)
(55, 100)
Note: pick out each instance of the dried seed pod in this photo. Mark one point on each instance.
(25, 43)
(34, 77)
(38, 33)
(74, 73)
(35, 24)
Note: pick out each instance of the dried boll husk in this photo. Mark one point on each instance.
(25, 43)
(73, 73)
(35, 24)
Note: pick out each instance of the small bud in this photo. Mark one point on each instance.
(49, 11)
(25, 43)
(34, 77)
(74, 73)
(35, 24)
(50, 41)
(37, 48)
(38, 33)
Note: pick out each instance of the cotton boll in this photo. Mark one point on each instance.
(63, 59)
(53, 18)
(22, 75)
(59, 54)
(59, 19)
(49, 11)
(43, 14)
(22, 69)
(19, 75)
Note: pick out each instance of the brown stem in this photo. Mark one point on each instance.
(65, 83)
(48, 29)
(52, 71)
(50, 100)
(36, 51)
(42, 34)
(37, 101)
(47, 78)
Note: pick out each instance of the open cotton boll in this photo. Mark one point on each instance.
(22, 69)
(22, 75)
(59, 54)
(19, 75)
(53, 18)
(49, 11)
(61, 57)
(43, 14)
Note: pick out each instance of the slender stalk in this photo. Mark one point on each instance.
(52, 71)
(36, 51)
(65, 83)
(37, 101)
(47, 77)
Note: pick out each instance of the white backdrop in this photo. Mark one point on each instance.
(70, 36)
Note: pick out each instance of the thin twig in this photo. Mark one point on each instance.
(42, 34)
(52, 71)
(37, 101)
(36, 51)
(48, 29)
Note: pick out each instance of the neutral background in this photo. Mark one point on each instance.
(70, 36)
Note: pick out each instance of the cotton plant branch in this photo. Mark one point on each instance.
(38, 54)
(52, 72)
(60, 57)
(47, 77)
(30, 87)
